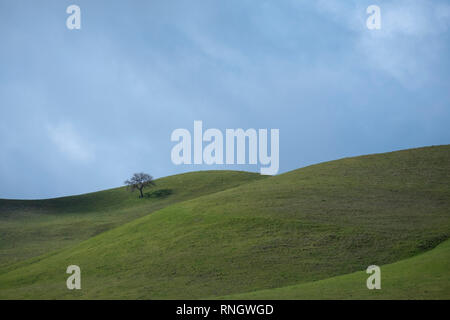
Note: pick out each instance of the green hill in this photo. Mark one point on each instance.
(31, 228)
(425, 276)
(314, 223)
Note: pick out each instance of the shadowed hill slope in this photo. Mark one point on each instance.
(32, 227)
(313, 223)
(425, 276)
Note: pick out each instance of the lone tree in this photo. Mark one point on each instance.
(139, 181)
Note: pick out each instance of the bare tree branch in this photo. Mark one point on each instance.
(139, 181)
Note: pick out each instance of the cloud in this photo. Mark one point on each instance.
(68, 142)
(408, 47)
(141, 70)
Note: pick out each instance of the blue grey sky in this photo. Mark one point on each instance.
(81, 110)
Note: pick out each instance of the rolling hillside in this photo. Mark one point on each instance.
(31, 228)
(425, 276)
(252, 234)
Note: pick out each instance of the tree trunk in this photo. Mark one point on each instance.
(142, 195)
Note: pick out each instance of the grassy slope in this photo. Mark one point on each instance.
(31, 228)
(425, 276)
(314, 223)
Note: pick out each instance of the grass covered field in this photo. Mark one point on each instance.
(302, 234)
(425, 276)
(31, 228)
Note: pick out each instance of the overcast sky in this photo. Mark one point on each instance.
(81, 110)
